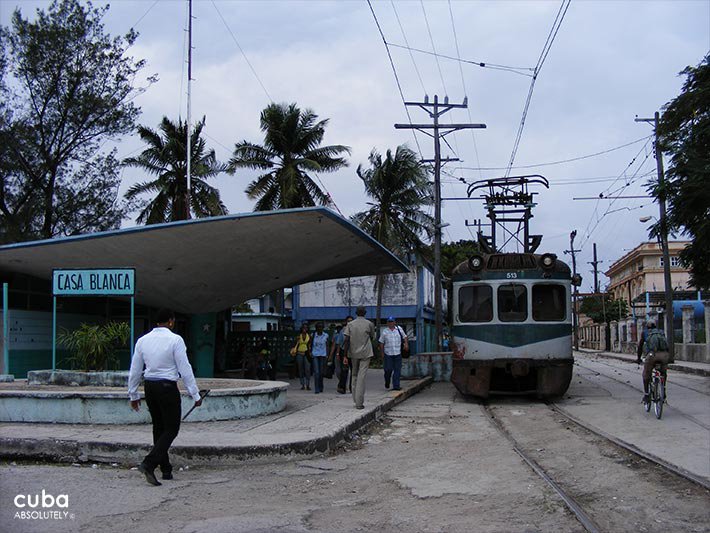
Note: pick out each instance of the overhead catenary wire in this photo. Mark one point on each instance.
(540, 62)
(633, 179)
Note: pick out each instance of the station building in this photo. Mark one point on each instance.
(199, 268)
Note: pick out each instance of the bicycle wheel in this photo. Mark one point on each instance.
(658, 398)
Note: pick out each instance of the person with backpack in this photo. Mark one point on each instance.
(656, 349)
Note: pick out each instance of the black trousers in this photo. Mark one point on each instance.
(163, 399)
(344, 372)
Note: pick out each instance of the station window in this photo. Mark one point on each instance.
(549, 302)
(476, 303)
(512, 303)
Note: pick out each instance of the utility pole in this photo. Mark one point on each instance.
(189, 108)
(435, 110)
(596, 270)
(663, 237)
(575, 318)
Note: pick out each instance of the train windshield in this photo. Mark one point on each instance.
(549, 302)
(512, 303)
(476, 303)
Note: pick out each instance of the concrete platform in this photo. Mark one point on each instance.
(21, 401)
(309, 423)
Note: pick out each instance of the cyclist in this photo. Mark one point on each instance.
(656, 353)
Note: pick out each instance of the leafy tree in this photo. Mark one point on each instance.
(684, 132)
(603, 310)
(166, 158)
(399, 187)
(66, 88)
(452, 255)
(291, 153)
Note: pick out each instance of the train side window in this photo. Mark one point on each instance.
(476, 303)
(549, 302)
(512, 303)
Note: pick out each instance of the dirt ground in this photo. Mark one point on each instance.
(434, 464)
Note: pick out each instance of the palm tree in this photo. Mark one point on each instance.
(400, 188)
(166, 158)
(290, 154)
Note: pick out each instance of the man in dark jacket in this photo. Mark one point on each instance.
(656, 349)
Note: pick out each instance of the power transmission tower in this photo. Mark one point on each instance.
(575, 317)
(663, 236)
(438, 131)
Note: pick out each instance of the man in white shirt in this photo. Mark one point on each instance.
(165, 358)
(392, 341)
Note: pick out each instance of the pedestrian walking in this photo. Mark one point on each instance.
(343, 364)
(303, 357)
(165, 358)
(393, 341)
(359, 336)
(266, 362)
(319, 352)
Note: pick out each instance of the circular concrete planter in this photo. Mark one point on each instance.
(69, 405)
(77, 378)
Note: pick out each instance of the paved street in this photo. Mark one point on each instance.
(433, 463)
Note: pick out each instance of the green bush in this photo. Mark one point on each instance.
(94, 347)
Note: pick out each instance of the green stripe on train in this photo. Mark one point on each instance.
(513, 335)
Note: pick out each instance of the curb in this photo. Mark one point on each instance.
(69, 451)
(673, 366)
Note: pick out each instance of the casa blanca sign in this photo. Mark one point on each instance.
(94, 282)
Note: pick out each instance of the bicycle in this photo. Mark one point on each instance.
(657, 393)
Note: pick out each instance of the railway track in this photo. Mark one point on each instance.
(572, 477)
(672, 384)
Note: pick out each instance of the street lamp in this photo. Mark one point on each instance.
(645, 219)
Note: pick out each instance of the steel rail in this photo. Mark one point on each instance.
(569, 501)
(698, 480)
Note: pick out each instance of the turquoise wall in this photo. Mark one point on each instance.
(202, 344)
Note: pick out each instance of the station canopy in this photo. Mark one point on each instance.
(206, 265)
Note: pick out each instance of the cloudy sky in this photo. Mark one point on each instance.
(609, 62)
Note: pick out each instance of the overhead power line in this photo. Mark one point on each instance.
(431, 39)
(234, 38)
(145, 14)
(396, 76)
(411, 55)
(523, 71)
(562, 161)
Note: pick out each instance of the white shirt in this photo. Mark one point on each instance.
(165, 357)
(392, 339)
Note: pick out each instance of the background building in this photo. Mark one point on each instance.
(407, 297)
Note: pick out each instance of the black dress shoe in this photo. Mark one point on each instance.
(149, 475)
(167, 475)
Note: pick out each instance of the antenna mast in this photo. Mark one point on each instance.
(189, 107)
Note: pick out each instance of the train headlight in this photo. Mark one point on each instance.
(475, 262)
(547, 261)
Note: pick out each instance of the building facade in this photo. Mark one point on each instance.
(407, 297)
(637, 277)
